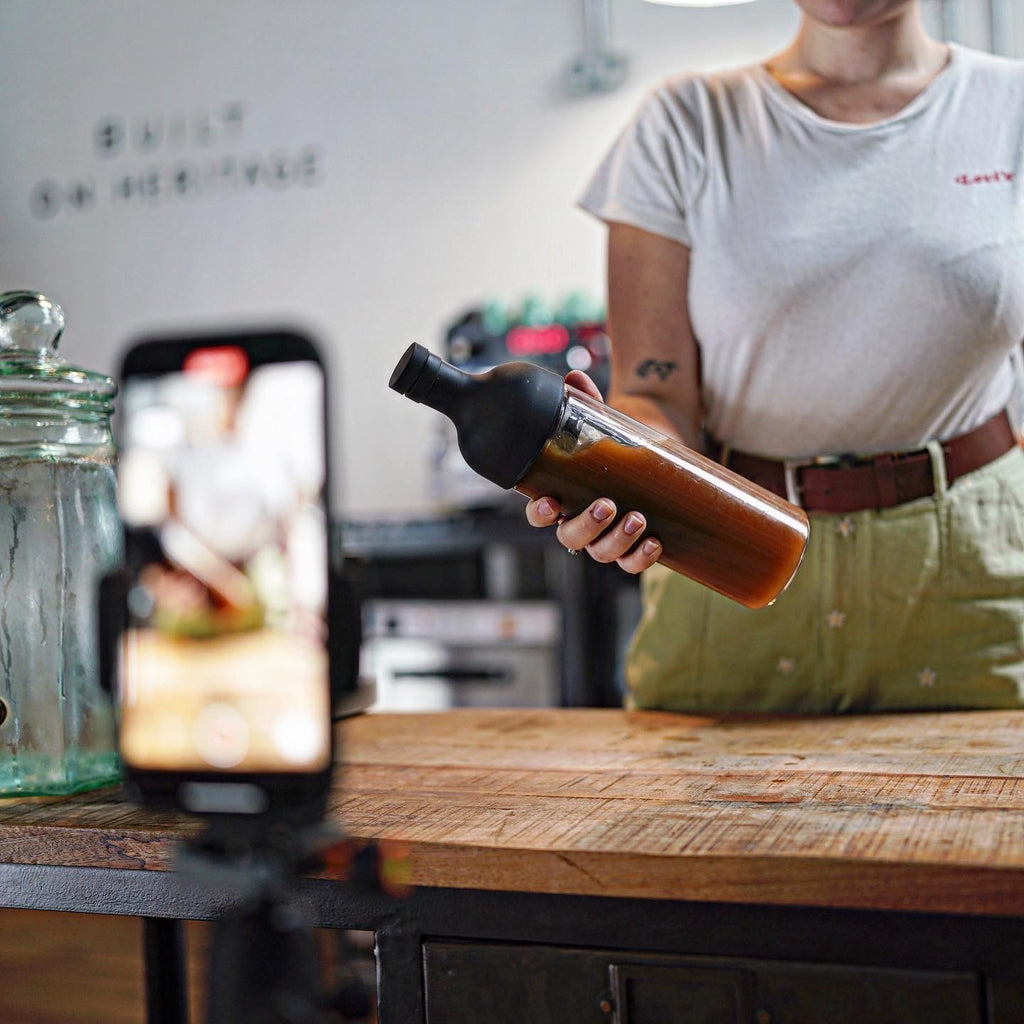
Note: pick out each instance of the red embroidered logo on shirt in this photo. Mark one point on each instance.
(992, 178)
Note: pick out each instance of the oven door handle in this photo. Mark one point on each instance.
(456, 676)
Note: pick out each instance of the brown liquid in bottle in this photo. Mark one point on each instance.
(728, 534)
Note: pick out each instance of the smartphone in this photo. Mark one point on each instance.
(222, 667)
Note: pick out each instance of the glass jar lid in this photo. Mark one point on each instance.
(30, 366)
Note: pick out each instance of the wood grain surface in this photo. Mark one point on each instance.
(910, 812)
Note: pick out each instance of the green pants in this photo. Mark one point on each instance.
(919, 606)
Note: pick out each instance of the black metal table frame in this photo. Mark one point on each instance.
(162, 899)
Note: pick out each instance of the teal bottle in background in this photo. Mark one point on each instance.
(59, 532)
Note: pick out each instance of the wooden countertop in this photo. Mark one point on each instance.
(908, 812)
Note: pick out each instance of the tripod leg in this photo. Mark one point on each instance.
(164, 959)
(263, 968)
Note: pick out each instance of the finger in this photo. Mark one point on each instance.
(616, 542)
(542, 512)
(581, 530)
(646, 553)
(582, 382)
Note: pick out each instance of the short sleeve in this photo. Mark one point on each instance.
(653, 168)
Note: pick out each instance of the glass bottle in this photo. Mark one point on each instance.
(59, 532)
(522, 427)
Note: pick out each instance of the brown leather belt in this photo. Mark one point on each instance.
(852, 483)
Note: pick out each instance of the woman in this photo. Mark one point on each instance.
(821, 258)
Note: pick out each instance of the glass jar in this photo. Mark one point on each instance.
(59, 533)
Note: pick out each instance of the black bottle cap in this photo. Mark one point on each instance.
(503, 416)
(409, 379)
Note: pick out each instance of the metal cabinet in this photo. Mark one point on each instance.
(466, 983)
(1005, 999)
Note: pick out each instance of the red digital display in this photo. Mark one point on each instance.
(537, 341)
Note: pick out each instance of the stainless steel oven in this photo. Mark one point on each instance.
(426, 655)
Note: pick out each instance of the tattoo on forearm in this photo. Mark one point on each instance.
(660, 368)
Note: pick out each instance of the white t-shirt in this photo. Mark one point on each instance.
(853, 288)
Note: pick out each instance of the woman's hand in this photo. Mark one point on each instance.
(597, 528)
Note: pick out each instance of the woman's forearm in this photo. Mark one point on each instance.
(660, 416)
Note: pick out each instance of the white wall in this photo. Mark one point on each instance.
(433, 158)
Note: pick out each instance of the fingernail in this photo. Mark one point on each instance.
(602, 511)
(649, 546)
(545, 508)
(633, 524)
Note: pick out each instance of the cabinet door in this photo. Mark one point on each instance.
(681, 992)
(677, 991)
(1005, 1000)
(474, 983)
(467, 983)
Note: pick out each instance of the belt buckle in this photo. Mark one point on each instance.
(791, 468)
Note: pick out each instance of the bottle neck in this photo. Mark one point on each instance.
(450, 389)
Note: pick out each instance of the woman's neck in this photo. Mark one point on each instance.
(860, 73)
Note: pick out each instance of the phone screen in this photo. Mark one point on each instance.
(221, 484)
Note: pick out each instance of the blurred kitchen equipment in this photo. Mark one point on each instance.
(569, 336)
(432, 655)
(482, 556)
(521, 426)
(59, 532)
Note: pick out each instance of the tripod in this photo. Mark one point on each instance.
(264, 965)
